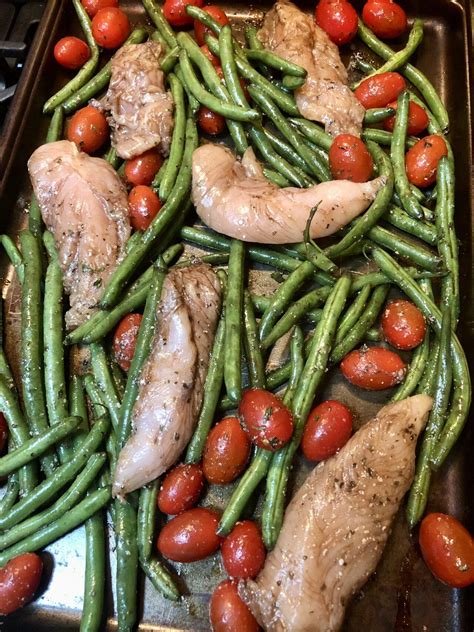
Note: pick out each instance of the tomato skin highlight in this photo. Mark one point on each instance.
(380, 90)
(349, 159)
(19, 580)
(417, 119)
(265, 418)
(143, 206)
(210, 122)
(143, 168)
(421, 160)
(3, 432)
(373, 368)
(190, 536)
(403, 324)
(227, 611)
(448, 549)
(338, 19)
(175, 11)
(92, 6)
(88, 128)
(327, 430)
(386, 18)
(243, 551)
(110, 27)
(181, 488)
(226, 452)
(71, 52)
(125, 340)
(201, 31)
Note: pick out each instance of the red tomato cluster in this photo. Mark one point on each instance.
(71, 52)
(88, 128)
(373, 368)
(19, 580)
(226, 452)
(338, 19)
(181, 488)
(380, 90)
(110, 27)
(143, 168)
(421, 160)
(125, 340)
(227, 611)
(386, 18)
(265, 419)
(349, 159)
(327, 430)
(403, 324)
(143, 206)
(417, 119)
(175, 11)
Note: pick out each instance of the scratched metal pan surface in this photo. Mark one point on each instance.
(402, 595)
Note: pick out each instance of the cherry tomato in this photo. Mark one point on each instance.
(19, 580)
(373, 368)
(125, 339)
(190, 536)
(421, 160)
(110, 27)
(227, 611)
(175, 11)
(380, 90)
(3, 432)
(201, 31)
(350, 159)
(88, 128)
(92, 6)
(181, 488)
(143, 206)
(142, 169)
(226, 452)
(338, 19)
(210, 122)
(71, 52)
(215, 61)
(448, 549)
(266, 419)
(243, 551)
(403, 324)
(386, 18)
(417, 119)
(328, 428)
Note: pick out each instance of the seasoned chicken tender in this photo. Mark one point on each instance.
(84, 204)
(325, 96)
(141, 110)
(233, 197)
(172, 378)
(337, 525)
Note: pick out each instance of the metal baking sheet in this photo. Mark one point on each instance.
(402, 595)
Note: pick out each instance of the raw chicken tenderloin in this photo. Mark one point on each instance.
(337, 524)
(141, 111)
(235, 198)
(325, 96)
(84, 204)
(172, 379)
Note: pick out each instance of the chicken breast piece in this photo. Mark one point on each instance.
(84, 204)
(337, 524)
(141, 111)
(325, 96)
(172, 379)
(235, 198)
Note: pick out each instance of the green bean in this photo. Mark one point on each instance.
(55, 381)
(53, 531)
(264, 147)
(426, 385)
(398, 218)
(94, 583)
(251, 341)
(233, 324)
(87, 69)
(397, 154)
(276, 178)
(118, 378)
(31, 337)
(194, 104)
(310, 378)
(144, 338)
(416, 77)
(286, 151)
(216, 259)
(274, 61)
(50, 245)
(11, 493)
(315, 253)
(447, 243)
(170, 172)
(358, 331)
(14, 255)
(292, 83)
(105, 383)
(160, 578)
(114, 161)
(36, 446)
(165, 30)
(376, 115)
(212, 389)
(49, 487)
(297, 345)
(100, 80)
(406, 248)
(156, 36)
(415, 370)
(363, 224)
(229, 67)
(64, 503)
(352, 315)
(170, 60)
(78, 408)
(255, 44)
(382, 137)
(55, 130)
(146, 519)
(127, 564)
(161, 222)
(313, 132)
